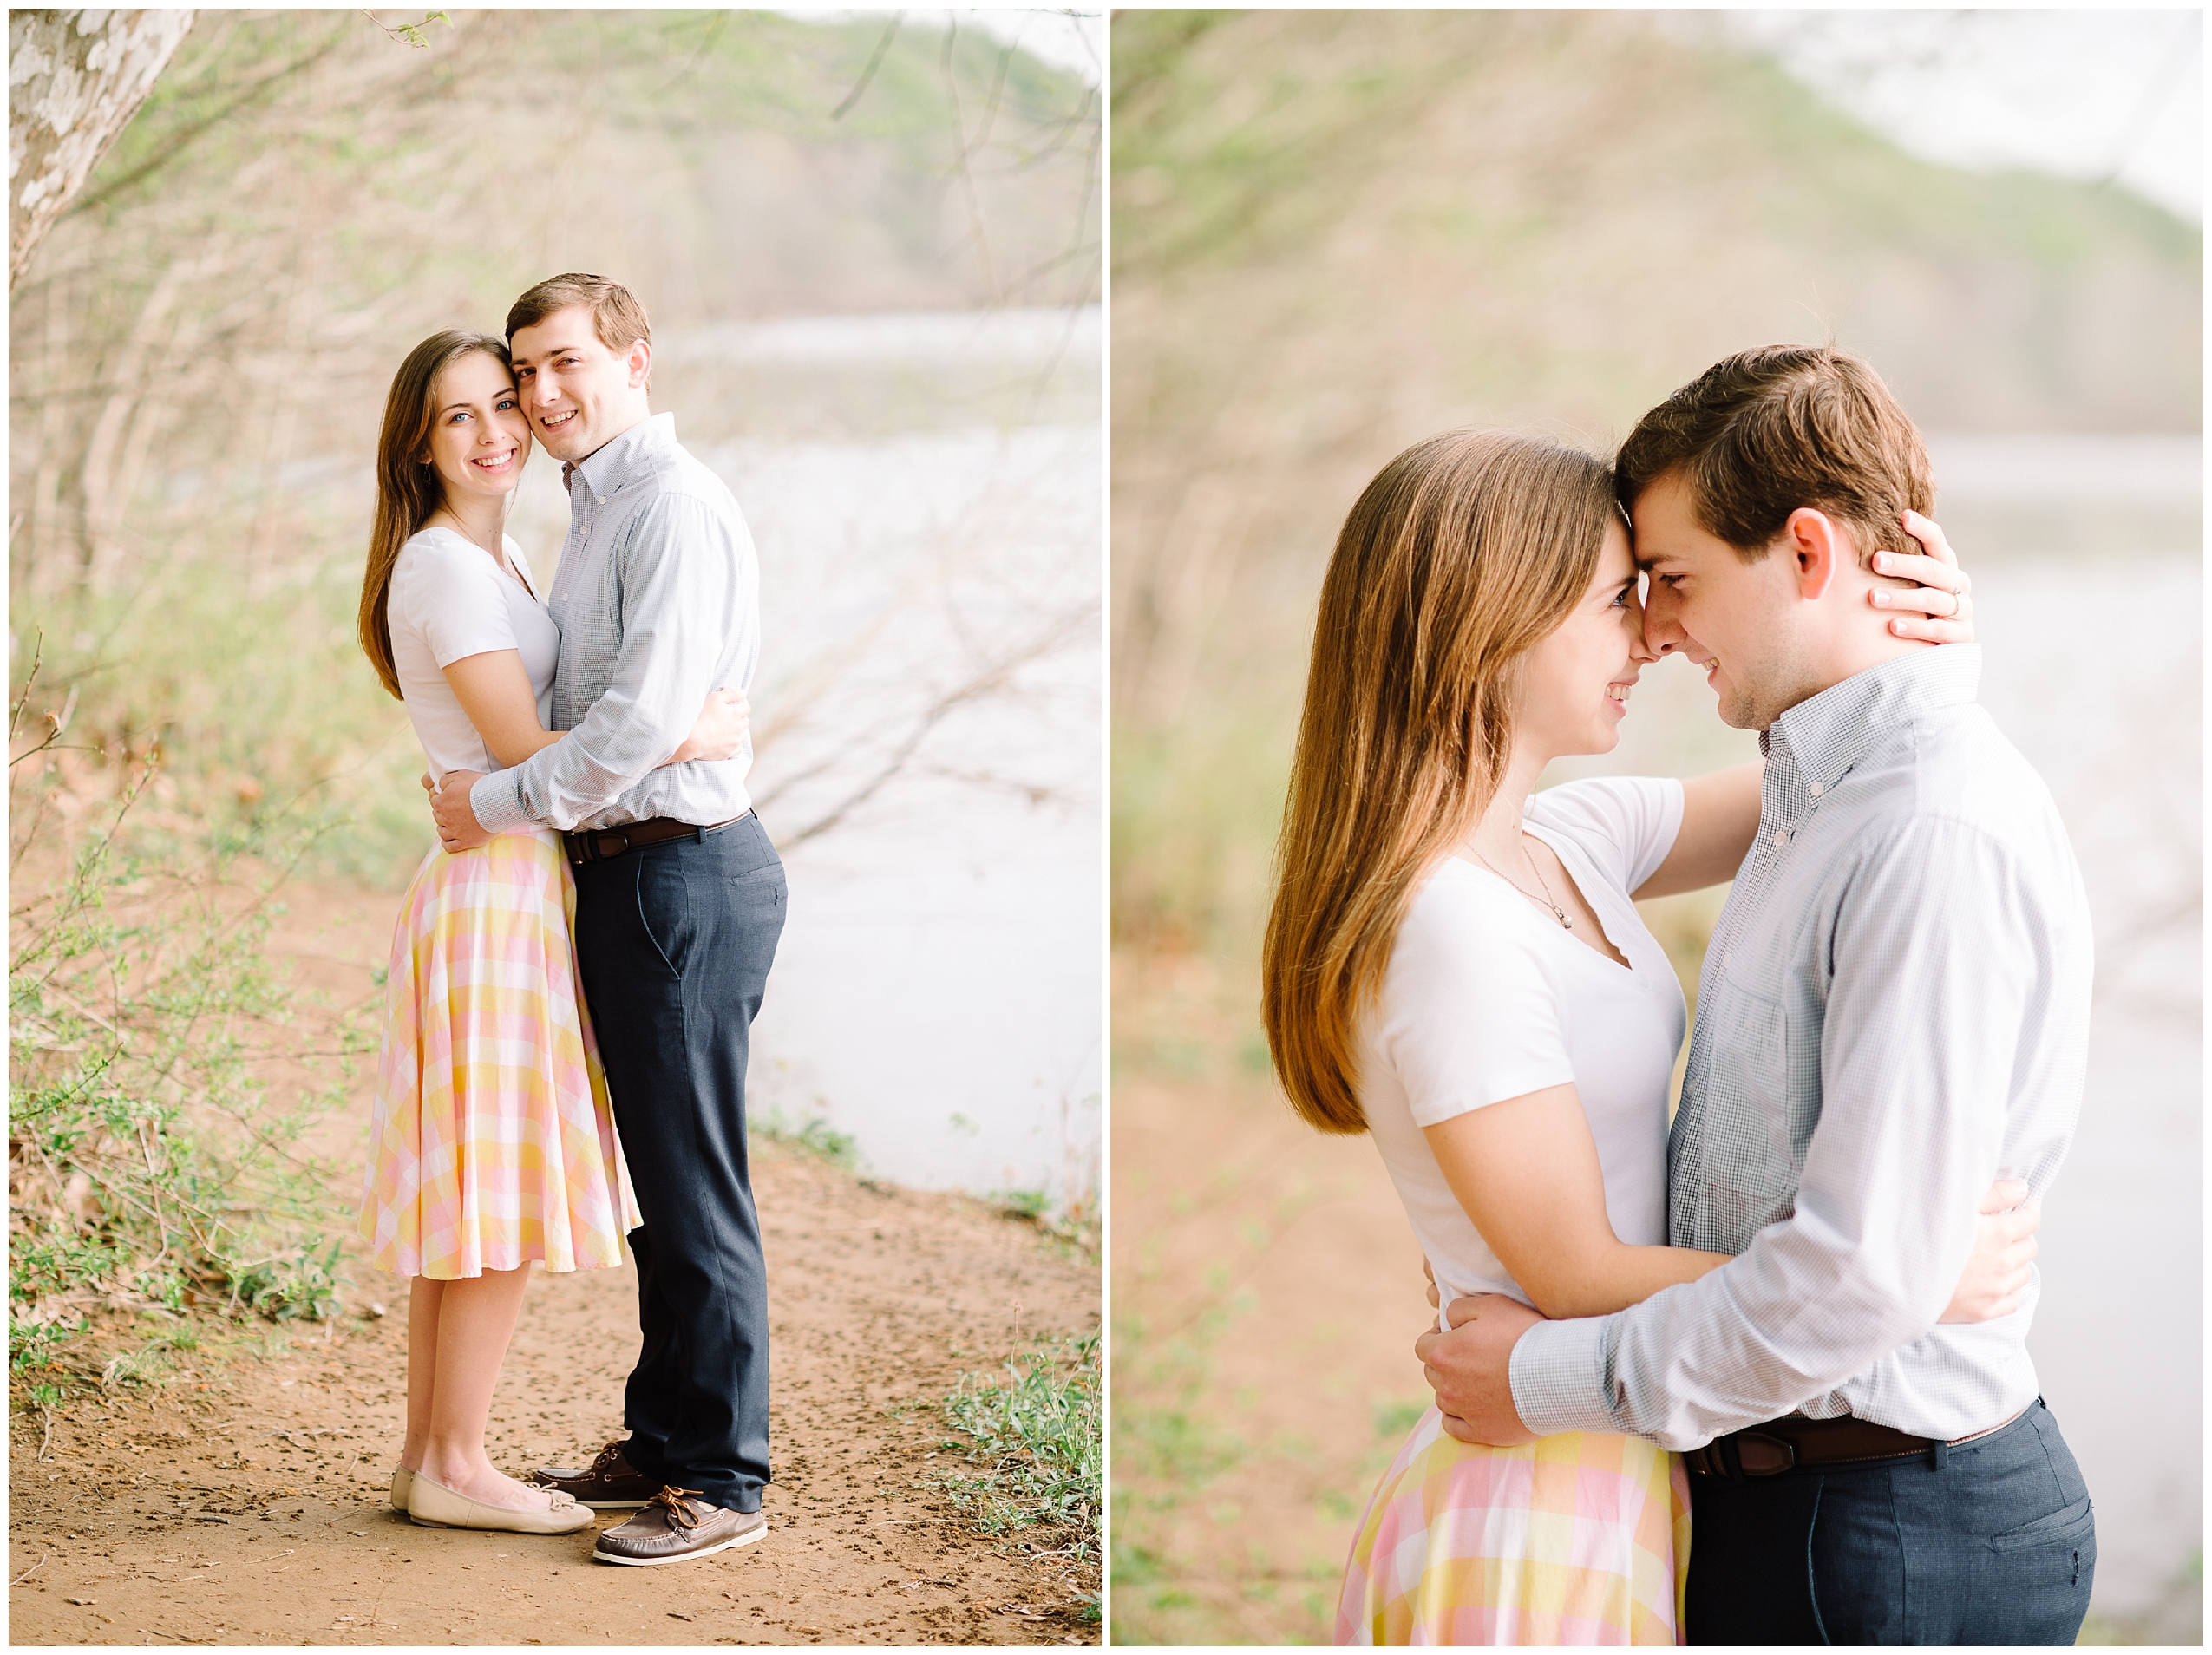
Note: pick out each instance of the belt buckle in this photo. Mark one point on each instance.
(1757, 1455)
(584, 844)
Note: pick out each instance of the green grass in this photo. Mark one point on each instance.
(1167, 1454)
(815, 1136)
(156, 1165)
(1030, 1434)
(1196, 811)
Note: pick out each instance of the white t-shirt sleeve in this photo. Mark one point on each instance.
(451, 592)
(1625, 824)
(1468, 1015)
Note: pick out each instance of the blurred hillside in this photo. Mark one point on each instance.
(1336, 232)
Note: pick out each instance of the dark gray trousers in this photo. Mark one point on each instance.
(673, 944)
(1996, 1546)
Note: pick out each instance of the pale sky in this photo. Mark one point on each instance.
(2090, 95)
(1067, 38)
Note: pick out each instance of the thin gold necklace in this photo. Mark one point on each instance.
(1547, 900)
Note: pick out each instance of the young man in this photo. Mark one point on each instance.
(679, 903)
(1894, 1009)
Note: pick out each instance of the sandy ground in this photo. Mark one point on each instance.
(1286, 1360)
(1266, 1295)
(243, 1503)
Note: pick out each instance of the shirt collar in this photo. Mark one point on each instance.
(1827, 734)
(609, 467)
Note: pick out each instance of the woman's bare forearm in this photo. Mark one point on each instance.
(519, 746)
(1720, 817)
(1526, 1172)
(493, 690)
(1615, 1277)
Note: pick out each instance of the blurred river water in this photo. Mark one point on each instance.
(930, 580)
(2086, 556)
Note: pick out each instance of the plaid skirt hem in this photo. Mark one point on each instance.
(493, 1143)
(1574, 1538)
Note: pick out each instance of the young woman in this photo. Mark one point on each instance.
(1458, 969)
(493, 1143)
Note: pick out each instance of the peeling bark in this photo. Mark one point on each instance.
(74, 79)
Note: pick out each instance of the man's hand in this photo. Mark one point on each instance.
(1467, 1369)
(458, 828)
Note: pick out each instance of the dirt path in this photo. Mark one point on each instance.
(1275, 1381)
(1266, 1294)
(243, 1503)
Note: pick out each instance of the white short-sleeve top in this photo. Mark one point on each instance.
(449, 600)
(1487, 998)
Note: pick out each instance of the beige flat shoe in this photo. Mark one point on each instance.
(403, 1486)
(432, 1505)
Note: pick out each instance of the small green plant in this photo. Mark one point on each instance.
(816, 1137)
(410, 34)
(1394, 1419)
(1033, 1430)
(1073, 1232)
(151, 1167)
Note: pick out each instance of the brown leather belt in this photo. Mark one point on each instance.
(1795, 1443)
(604, 844)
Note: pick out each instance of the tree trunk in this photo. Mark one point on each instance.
(74, 79)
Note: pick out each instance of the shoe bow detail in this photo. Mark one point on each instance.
(671, 1500)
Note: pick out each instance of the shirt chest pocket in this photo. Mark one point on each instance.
(1751, 1171)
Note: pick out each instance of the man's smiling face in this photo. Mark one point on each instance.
(1737, 620)
(579, 395)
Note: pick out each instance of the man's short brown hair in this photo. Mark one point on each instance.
(616, 316)
(1764, 432)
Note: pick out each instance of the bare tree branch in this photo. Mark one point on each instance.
(875, 62)
(987, 681)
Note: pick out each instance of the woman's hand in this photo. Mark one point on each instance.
(723, 724)
(1996, 1271)
(1944, 611)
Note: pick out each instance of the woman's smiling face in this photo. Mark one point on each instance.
(479, 439)
(1574, 684)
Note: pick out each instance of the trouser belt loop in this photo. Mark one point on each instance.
(1939, 1455)
(1732, 1461)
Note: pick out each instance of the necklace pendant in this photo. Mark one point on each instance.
(1565, 924)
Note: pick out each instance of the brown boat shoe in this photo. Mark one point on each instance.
(609, 1484)
(676, 1527)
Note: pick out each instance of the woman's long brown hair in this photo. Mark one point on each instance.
(408, 490)
(1463, 552)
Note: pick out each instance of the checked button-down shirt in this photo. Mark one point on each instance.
(1894, 1009)
(658, 598)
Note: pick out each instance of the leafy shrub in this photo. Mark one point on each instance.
(151, 1165)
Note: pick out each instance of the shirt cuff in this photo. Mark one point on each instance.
(1557, 1372)
(497, 801)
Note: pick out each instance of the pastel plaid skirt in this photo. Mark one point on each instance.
(493, 1143)
(1574, 1539)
